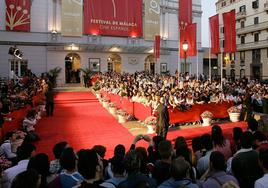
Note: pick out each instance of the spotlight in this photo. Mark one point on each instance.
(15, 51)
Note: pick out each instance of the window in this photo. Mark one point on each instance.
(256, 37)
(242, 39)
(242, 8)
(242, 24)
(232, 56)
(223, 4)
(256, 20)
(222, 29)
(256, 56)
(110, 66)
(255, 4)
(242, 55)
(19, 67)
(242, 73)
(231, 1)
(232, 73)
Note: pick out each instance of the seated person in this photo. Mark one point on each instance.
(5, 148)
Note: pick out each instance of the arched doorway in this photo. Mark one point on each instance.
(114, 63)
(72, 68)
(149, 65)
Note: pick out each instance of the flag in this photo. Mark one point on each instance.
(189, 35)
(214, 34)
(229, 31)
(18, 15)
(157, 46)
(185, 13)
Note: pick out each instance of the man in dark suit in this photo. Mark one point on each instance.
(162, 122)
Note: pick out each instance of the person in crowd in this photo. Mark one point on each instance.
(235, 142)
(55, 167)
(265, 103)
(162, 166)
(245, 165)
(197, 149)
(263, 181)
(162, 122)
(260, 141)
(49, 102)
(24, 153)
(69, 177)
(101, 150)
(40, 163)
(220, 143)
(90, 166)
(180, 175)
(28, 178)
(119, 172)
(5, 148)
(253, 125)
(203, 162)
(28, 125)
(216, 176)
(135, 178)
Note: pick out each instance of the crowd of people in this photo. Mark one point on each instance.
(183, 91)
(213, 160)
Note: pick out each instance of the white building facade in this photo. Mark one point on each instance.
(44, 48)
(251, 58)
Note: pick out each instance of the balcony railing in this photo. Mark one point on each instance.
(253, 45)
(241, 15)
(252, 28)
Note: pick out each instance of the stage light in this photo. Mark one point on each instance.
(15, 51)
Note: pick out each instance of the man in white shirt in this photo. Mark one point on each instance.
(5, 148)
(24, 153)
(263, 182)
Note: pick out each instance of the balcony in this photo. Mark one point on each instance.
(241, 15)
(252, 45)
(252, 28)
(266, 6)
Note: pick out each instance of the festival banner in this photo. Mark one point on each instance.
(152, 19)
(229, 32)
(185, 13)
(18, 14)
(214, 34)
(157, 46)
(113, 17)
(72, 18)
(189, 35)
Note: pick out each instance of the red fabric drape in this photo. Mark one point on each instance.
(157, 46)
(188, 34)
(18, 15)
(229, 31)
(185, 12)
(214, 34)
(113, 17)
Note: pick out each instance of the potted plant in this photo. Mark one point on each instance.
(206, 117)
(122, 116)
(150, 123)
(234, 113)
(53, 75)
(87, 73)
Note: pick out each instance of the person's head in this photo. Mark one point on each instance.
(118, 165)
(132, 162)
(217, 161)
(68, 159)
(237, 133)
(58, 148)
(89, 164)
(165, 149)
(196, 144)
(28, 178)
(157, 140)
(25, 151)
(263, 156)
(101, 150)
(258, 138)
(119, 150)
(246, 140)
(179, 169)
(10, 136)
(40, 163)
(252, 125)
(206, 142)
(180, 142)
(217, 136)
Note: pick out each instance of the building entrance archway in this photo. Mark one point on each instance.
(114, 63)
(72, 68)
(149, 65)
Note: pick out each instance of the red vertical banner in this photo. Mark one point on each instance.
(185, 12)
(214, 34)
(157, 46)
(18, 15)
(113, 17)
(189, 35)
(229, 31)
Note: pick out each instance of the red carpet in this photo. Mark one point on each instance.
(80, 120)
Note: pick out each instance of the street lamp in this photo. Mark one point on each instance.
(185, 48)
